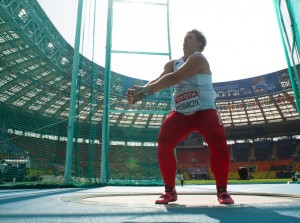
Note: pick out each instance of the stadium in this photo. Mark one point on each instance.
(66, 122)
(260, 116)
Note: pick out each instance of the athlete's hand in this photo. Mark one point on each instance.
(137, 93)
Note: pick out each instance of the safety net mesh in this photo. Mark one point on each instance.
(37, 96)
(288, 14)
(61, 130)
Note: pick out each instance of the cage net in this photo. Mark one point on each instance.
(36, 89)
(57, 131)
(288, 14)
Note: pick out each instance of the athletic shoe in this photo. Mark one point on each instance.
(167, 197)
(224, 198)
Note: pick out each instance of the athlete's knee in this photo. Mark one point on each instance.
(166, 141)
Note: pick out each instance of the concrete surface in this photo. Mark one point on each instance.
(253, 203)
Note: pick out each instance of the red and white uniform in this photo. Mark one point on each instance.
(193, 111)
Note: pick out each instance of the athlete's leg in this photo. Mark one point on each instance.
(211, 128)
(174, 129)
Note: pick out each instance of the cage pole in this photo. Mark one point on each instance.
(293, 73)
(105, 121)
(73, 96)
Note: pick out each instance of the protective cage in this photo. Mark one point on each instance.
(65, 119)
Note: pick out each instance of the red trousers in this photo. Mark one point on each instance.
(176, 127)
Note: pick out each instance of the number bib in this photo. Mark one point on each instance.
(188, 102)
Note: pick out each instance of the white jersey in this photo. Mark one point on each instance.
(193, 94)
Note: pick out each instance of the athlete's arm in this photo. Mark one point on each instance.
(137, 93)
(196, 63)
(168, 68)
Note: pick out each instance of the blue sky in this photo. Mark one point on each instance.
(243, 36)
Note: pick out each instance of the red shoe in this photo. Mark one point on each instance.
(167, 197)
(224, 198)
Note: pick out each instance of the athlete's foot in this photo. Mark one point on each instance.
(225, 198)
(167, 197)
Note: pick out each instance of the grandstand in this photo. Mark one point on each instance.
(259, 113)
